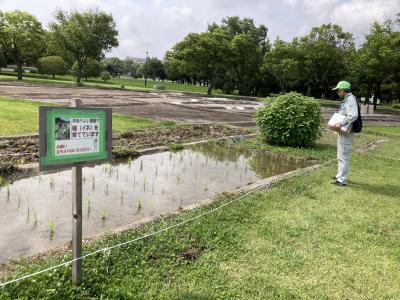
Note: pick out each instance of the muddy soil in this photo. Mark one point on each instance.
(25, 149)
(181, 107)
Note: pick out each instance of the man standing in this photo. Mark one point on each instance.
(348, 109)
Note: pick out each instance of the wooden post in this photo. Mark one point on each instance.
(76, 216)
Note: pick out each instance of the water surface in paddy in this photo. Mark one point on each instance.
(119, 194)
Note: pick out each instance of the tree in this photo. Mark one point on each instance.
(378, 58)
(92, 68)
(115, 62)
(52, 65)
(247, 46)
(132, 68)
(3, 59)
(21, 36)
(105, 76)
(282, 63)
(154, 68)
(203, 54)
(325, 54)
(55, 49)
(85, 35)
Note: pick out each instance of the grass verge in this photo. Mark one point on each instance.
(21, 117)
(128, 83)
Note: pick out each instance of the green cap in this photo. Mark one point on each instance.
(342, 85)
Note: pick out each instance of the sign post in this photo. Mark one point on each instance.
(76, 217)
(74, 137)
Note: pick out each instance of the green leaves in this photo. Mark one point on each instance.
(52, 65)
(290, 120)
(85, 35)
(21, 36)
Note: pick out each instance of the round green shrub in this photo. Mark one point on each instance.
(397, 105)
(290, 120)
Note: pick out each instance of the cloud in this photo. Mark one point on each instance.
(175, 12)
(156, 25)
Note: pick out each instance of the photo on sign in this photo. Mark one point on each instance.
(63, 129)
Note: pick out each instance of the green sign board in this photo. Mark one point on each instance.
(74, 136)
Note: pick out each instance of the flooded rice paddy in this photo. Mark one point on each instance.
(35, 212)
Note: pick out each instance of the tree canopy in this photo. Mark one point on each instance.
(85, 35)
(21, 37)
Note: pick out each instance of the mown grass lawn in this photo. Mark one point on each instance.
(304, 238)
(113, 82)
(21, 117)
(390, 131)
(128, 83)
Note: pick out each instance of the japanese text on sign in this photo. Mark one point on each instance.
(76, 136)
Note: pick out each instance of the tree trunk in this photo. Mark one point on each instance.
(19, 67)
(377, 93)
(79, 73)
(308, 91)
(210, 87)
(53, 76)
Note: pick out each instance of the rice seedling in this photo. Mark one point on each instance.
(206, 188)
(28, 217)
(176, 147)
(141, 165)
(106, 191)
(40, 177)
(51, 227)
(35, 219)
(8, 190)
(93, 183)
(144, 184)
(122, 196)
(103, 214)
(139, 203)
(88, 202)
(84, 179)
(152, 188)
(156, 172)
(52, 183)
(129, 162)
(117, 174)
(1, 181)
(134, 180)
(19, 199)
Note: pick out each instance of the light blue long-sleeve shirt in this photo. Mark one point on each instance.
(349, 109)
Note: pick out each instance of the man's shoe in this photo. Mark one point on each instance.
(334, 178)
(338, 183)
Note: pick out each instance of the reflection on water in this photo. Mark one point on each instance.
(34, 209)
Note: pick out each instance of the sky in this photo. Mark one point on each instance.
(156, 25)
